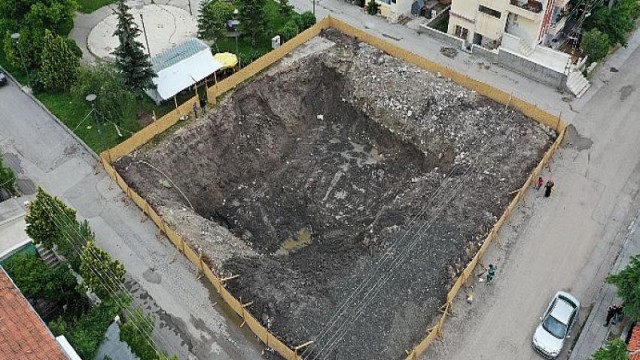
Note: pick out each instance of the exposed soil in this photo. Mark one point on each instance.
(346, 182)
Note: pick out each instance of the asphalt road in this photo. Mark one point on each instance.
(186, 322)
(568, 241)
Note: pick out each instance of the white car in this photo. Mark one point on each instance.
(556, 324)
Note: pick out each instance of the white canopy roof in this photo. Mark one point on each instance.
(181, 67)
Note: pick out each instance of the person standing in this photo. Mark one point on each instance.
(539, 183)
(491, 273)
(548, 188)
(611, 312)
(195, 110)
(203, 105)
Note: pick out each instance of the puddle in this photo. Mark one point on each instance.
(302, 239)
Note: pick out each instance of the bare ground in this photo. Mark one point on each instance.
(346, 187)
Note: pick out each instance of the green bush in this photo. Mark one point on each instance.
(595, 45)
(373, 7)
(289, 30)
(137, 332)
(87, 333)
(308, 19)
(58, 326)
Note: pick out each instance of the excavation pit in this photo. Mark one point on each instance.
(346, 187)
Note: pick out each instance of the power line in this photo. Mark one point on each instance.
(382, 261)
(109, 280)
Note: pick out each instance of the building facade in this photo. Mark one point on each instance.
(483, 22)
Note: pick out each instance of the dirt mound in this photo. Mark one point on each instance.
(341, 182)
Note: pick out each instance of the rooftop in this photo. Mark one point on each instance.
(23, 335)
(634, 343)
(174, 55)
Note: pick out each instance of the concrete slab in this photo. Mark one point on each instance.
(166, 26)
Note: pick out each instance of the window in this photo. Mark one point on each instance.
(461, 32)
(489, 11)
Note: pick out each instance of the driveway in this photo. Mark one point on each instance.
(186, 322)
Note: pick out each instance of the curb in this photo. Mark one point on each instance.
(41, 105)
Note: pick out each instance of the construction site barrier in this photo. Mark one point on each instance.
(145, 135)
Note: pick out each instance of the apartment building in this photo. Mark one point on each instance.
(484, 22)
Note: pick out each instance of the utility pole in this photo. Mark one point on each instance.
(146, 39)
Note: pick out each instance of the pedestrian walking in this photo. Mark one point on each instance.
(539, 183)
(611, 312)
(548, 188)
(195, 110)
(491, 273)
(203, 105)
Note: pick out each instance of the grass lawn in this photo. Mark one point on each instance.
(89, 6)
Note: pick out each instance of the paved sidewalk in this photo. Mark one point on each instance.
(187, 324)
(594, 334)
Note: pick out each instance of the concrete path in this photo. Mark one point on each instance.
(186, 323)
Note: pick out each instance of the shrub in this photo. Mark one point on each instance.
(137, 332)
(289, 30)
(373, 7)
(308, 19)
(595, 45)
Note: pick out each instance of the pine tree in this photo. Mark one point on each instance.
(59, 70)
(205, 22)
(253, 19)
(131, 60)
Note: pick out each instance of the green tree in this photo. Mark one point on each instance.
(131, 60)
(253, 19)
(137, 331)
(114, 101)
(54, 15)
(613, 350)
(205, 22)
(615, 22)
(285, 8)
(220, 12)
(595, 45)
(45, 216)
(7, 177)
(626, 281)
(28, 48)
(38, 281)
(100, 274)
(59, 70)
(73, 237)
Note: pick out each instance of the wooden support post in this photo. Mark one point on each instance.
(243, 322)
(199, 272)
(174, 256)
(303, 345)
(229, 278)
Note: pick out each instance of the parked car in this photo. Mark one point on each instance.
(555, 325)
(3, 78)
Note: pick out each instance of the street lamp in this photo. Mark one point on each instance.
(144, 31)
(235, 23)
(16, 38)
(91, 98)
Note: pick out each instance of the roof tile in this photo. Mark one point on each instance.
(23, 335)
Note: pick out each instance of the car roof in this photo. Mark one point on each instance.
(562, 310)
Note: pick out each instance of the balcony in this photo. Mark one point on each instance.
(531, 9)
(556, 27)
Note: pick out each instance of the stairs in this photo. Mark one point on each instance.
(47, 256)
(577, 84)
(525, 48)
